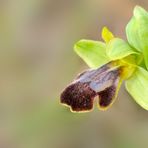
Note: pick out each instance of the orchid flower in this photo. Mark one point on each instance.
(111, 62)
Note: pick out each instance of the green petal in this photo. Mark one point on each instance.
(137, 31)
(92, 52)
(137, 86)
(118, 49)
(107, 35)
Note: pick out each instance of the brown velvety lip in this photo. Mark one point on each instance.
(102, 82)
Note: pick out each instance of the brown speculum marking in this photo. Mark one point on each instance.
(102, 82)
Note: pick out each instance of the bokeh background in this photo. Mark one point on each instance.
(37, 61)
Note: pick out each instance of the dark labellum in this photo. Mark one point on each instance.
(102, 82)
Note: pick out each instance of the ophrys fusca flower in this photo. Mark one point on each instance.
(112, 62)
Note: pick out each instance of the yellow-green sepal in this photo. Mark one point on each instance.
(92, 52)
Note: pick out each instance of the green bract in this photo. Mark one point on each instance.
(131, 55)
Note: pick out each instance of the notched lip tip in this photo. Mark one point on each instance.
(76, 111)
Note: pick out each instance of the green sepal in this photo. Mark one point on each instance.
(92, 52)
(137, 86)
(136, 29)
(137, 32)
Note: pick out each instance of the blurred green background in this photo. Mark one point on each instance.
(37, 61)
